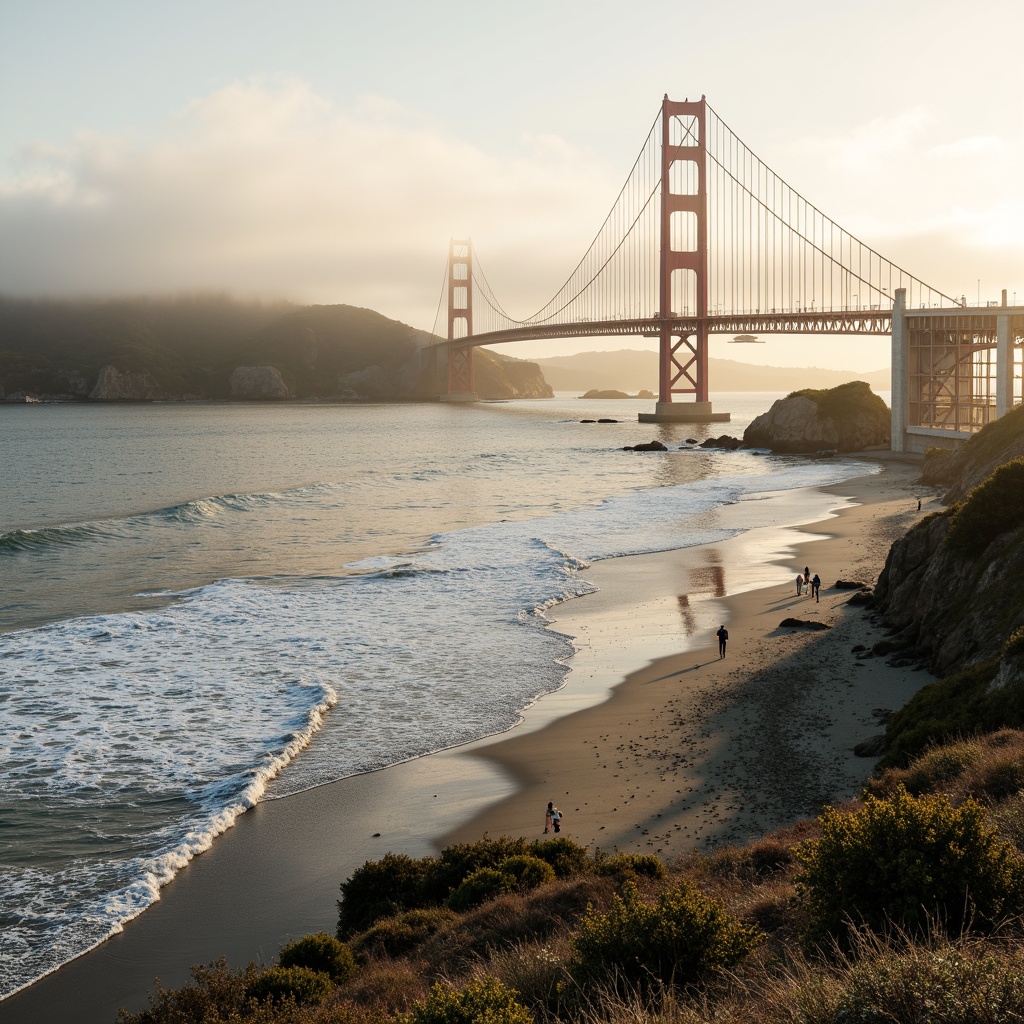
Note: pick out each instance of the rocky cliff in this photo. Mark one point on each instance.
(114, 386)
(258, 383)
(847, 418)
(952, 593)
(961, 469)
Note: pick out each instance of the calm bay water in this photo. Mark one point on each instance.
(199, 599)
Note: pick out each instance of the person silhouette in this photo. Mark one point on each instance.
(723, 637)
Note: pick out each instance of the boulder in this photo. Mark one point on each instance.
(847, 418)
(726, 442)
(114, 386)
(649, 446)
(258, 383)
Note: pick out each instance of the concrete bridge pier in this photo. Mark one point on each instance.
(684, 412)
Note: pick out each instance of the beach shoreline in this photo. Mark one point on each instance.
(609, 766)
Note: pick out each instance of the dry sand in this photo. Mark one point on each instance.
(687, 752)
(692, 750)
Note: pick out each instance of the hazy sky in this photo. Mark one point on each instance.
(326, 151)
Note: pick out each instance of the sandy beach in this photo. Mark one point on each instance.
(655, 744)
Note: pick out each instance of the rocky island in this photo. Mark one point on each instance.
(847, 418)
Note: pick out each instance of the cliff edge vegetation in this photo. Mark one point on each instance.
(218, 348)
(952, 593)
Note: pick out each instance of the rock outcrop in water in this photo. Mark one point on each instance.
(847, 418)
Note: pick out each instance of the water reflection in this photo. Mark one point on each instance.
(704, 581)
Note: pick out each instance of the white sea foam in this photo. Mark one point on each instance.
(185, 713)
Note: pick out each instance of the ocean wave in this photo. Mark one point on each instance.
(196, 511)
(96, 916)
(18, 541)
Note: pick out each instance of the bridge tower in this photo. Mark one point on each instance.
(460, 321)
(683, 348)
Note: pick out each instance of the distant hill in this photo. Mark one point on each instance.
(633, 369)
(147, 349)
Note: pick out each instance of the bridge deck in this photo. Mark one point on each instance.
(873, 322)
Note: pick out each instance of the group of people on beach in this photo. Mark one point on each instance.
(804, 583)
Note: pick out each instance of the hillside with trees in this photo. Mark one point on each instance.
(192, 348)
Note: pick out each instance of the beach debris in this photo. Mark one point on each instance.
(851, 585)
(376, 835)
(792, 623)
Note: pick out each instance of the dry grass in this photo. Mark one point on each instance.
(524, 940)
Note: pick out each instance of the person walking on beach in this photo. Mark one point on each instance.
(723, 637)
(816, 587)
(549, 817)
(799, 584)
(556, 819)
(807, 579)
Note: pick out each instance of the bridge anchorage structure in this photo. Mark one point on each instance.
(703, 239)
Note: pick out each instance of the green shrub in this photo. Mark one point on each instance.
(479, 887)
(320, 952)
(624, 866)
(565, 856)
(680, 940)
(902, 861)
(380, 888)
(956, 706)
(939, 986)
(994, 507)
(843, 401)
(529, 872)
(299, 984)
(935, 770)
(482, 1001)
(458, 862)
(395, 936)
(214, 994)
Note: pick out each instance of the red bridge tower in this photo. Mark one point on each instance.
(683, 364)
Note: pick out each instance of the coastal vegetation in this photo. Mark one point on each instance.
(908, 897)
(194, 348)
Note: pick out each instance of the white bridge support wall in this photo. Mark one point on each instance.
(900, 373)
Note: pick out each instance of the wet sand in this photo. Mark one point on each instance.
(689, 751)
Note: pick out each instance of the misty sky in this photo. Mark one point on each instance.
(326, 151)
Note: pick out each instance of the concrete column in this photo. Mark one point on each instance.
(900, 373)
(1004, 365)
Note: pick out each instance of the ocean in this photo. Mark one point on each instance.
(206, 605)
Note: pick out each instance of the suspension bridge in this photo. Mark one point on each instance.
(705, 239)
